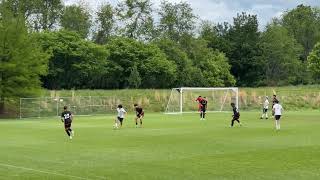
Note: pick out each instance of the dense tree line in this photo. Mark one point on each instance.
(124, 46)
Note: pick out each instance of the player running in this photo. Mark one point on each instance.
(265, 108)
(203, 108)
(236, 114)
(120, 117)
(66, 118)
(199, 103)
(139, 115)
(277, 109)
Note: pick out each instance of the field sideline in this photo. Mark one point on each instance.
(167, 147)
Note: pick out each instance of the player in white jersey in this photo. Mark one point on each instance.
(120, 117)
(277, 109)
(265, 108)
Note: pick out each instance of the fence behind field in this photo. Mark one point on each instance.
(47, 106)
(153, 100)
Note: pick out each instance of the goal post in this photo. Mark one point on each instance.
(183, 99)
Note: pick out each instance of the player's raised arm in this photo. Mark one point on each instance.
(71, 116)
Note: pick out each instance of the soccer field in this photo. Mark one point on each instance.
(167, 147)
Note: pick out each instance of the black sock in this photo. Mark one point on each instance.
(136, 123)
(67, 131)
(201, 115)
(140, 122)
(204, 115)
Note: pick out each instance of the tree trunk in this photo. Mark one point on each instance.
(1, 105)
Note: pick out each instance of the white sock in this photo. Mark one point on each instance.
(277, 125)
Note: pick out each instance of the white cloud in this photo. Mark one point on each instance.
(225, 10)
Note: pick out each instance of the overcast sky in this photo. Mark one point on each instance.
(225, 10)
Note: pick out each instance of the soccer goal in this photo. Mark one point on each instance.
(183, 100)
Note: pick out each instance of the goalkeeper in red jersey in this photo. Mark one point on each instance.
(199, 99)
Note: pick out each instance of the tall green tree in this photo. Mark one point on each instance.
(176, 20)
(213, 65)
(21, 58)
(136, 17)
(106, 24)
(303, 22)
(22, 8)
(314, 62)
(215, 35)
(39, 14)
(134, 78)
(75, 62)
(155, 70)
(244, 53)
(45, 14)
(280, 53)
(76, 18)
(185, 69)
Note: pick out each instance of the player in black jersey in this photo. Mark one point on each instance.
(236, 114)
(66, 118)
(203, 108)
(139, 114)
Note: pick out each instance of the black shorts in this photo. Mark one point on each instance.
(120, 119)
(277, 117)
(235, 117)
(67, 125)
(265, 110)
(140, 115)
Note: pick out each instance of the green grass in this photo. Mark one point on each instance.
(168, 147)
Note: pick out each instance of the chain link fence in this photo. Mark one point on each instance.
(49, 107)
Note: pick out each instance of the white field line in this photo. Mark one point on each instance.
(44, 172)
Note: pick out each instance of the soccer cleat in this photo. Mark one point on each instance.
(70, 137)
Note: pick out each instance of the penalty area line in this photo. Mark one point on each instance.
(41, 171)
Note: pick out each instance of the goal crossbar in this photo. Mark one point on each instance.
(207, 88)
(179, 98)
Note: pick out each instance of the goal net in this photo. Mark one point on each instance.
(183, 100)
(79, 105)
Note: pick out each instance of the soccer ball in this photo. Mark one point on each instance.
(115, 126)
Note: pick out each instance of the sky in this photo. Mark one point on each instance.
(224, 10)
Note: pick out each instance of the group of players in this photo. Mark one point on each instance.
(67, 117)
(203, 104)
(276, 110)
(121, 112)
